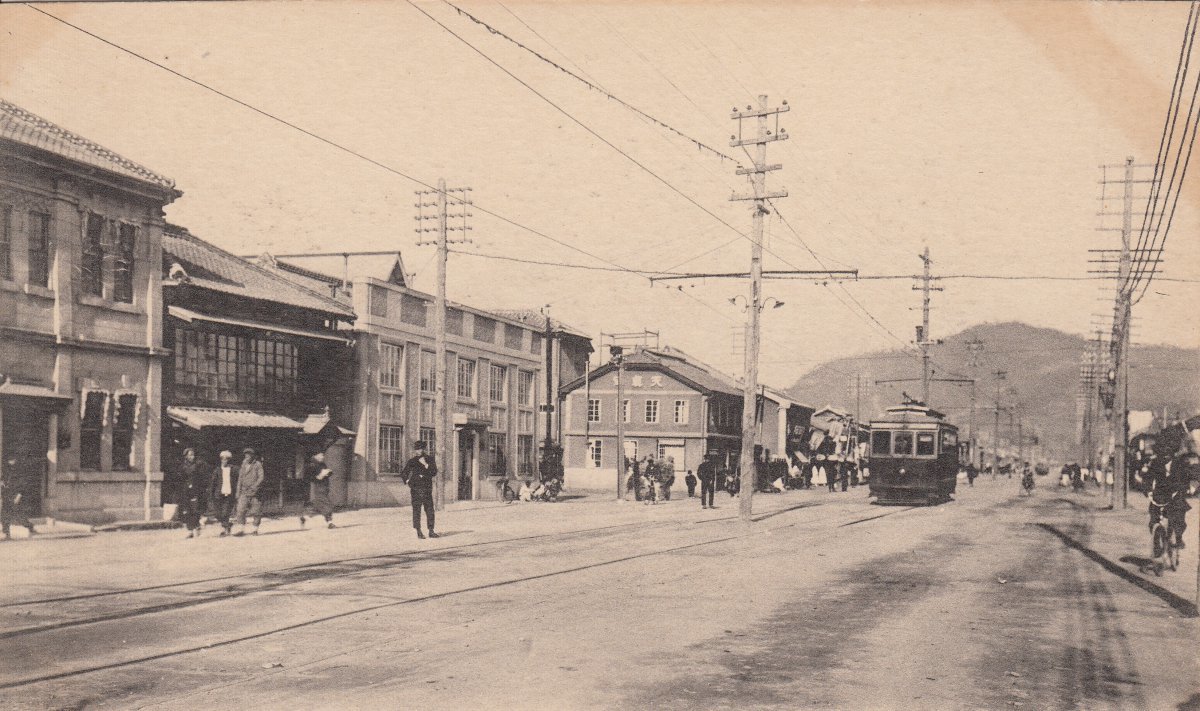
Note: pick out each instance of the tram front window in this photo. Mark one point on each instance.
(902, 444)
(925, 446)
(881, 442)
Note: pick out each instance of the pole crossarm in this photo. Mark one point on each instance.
(736, 197)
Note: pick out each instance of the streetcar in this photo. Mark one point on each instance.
(914, 456)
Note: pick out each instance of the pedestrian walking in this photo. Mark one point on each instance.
(222, 491)
(708, 481)
(14, 498)
(419, 473)
(690, 482)
(250, 480)
(972, 473)
(192, 488)
(651, 474)
(635, 480)
(317, 476)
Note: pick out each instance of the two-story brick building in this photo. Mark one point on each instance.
(80, 327)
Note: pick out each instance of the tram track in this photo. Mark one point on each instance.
(819, 522)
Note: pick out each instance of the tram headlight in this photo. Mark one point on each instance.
(903, 470)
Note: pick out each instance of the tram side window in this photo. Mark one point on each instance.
(881, 442)
(949, 441)
(902, 444)
(925, 446)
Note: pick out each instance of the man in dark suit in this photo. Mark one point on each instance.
(419, 473)
(707, 473)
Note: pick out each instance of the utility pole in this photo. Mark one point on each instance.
(999, 374)
(618, 354)
(442, 216)
(760, 198)
(551, 396)
(974, 349)
(923, 339)
(1120, 349)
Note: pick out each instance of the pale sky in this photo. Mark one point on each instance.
(974, 128)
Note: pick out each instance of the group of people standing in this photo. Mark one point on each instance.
(229, 491)
(649, 480)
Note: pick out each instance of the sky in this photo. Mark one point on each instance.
(974, 129)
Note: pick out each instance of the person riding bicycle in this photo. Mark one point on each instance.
(1027, 478)
(1170, 485)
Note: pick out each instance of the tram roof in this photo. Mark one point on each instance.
(910, 414)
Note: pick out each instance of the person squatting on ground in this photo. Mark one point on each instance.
(191, 502)
(316, 477)
(419, 474)
(222, 488)
(707, 472)
(1170, 485)
(250, 480)
(13, 499)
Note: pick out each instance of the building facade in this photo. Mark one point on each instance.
(495, 381)
(672, 406)
(81, 350)
(256, 361)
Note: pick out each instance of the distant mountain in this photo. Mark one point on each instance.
(1042, 368)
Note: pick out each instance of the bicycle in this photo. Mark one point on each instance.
(1027, 483)
(507, 495)
(1163, 550)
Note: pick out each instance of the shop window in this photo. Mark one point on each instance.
(391, 449)
(91, 428)
(91, 263)
(39, 249)
(124, 422)
(124, 264)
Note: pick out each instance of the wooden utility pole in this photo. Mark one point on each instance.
(551, 396)
(442, 216)
(760, 197)
(619, 356)
(1120, 349)
(999, 374)
(923, 339)
(975, 348)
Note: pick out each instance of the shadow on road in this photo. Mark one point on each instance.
(1184, 607)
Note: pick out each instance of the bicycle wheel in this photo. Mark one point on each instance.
(1159, 545)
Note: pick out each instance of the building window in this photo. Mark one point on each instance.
(391, 366)
(92, 263)
(391, 449)
(219, 368)
(535, 343)
(6, 242)
(499, 419)
(91, 426)
(631, 449)
(681, 412)
(652, 411)
(428, 372)
(595, 452)
(593, 410)
(525, 454)
(429, 437)
(625, 411)
(514, 336)
(497, 453)
(525, 388)
(428, 411)
(498, 384)
(525, 421)
(485, 329)
(391, 407)
(454, 321)
(122, 434)
(379, 299)
(39, 249)
(124, 264)
(466, 379)
(413, 310)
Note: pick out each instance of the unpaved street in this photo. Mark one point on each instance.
(991, 601)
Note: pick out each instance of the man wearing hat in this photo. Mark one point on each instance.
(250, 480)
(222, 488)
(419, 474)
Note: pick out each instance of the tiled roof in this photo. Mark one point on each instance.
(21, 126)
(211, 267)
(689, 368)
(535, 318)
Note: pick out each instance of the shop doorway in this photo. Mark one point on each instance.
(466, 465)
(26, 440)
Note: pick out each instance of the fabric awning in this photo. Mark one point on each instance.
(8, 388)
(314, 424)
(190, 315)
(201, 417)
